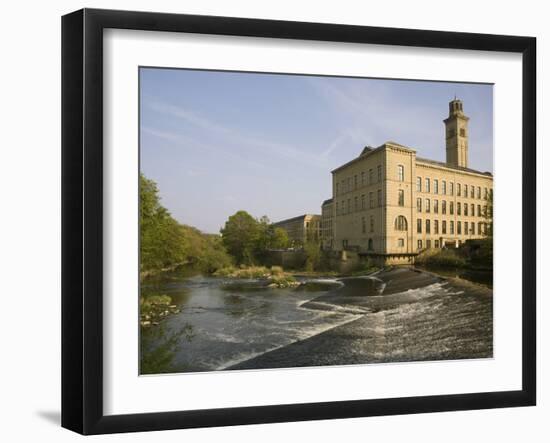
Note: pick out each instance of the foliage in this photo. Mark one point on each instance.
(445, 258)
(166, 244)
(489, 214)
(247, 239)
(313, 255)
(157, 350)
(483, 255)
(161, 242)
(240, 236)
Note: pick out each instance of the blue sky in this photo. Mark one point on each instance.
(217, 142)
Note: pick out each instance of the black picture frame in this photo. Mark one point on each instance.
(82, 218)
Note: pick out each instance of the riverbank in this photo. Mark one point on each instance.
(404, 314)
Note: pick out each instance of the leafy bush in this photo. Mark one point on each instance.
(445, 258)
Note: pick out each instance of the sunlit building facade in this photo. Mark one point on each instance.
(389, 203)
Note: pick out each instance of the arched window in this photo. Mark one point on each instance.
(400, 223)
(370, 246)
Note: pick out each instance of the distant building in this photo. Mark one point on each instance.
(391, 204)
(327, 233)
(303, 228)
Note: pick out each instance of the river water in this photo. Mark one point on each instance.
(400, 315)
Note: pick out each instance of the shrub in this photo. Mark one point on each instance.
(445, 258)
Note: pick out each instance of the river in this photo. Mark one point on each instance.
(394, 315)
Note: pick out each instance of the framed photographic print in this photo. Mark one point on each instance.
(269, 221)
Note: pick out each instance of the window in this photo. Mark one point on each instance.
(472, 191)
(465, 190)
(418, 184)
(355, 204)
(428, 230)
(379, 171)
(362, 178)
(462, 132)
(401, 173)
(479, 210)
(428, 244)
(371, 178)
(355, 181)
(418, 205)
(363, 201)
(401, 197)
(371, 223)
(479, 192)
(485, 211)
(427, 185)
(371, 200)
(436, 244)
(337, 211)
(436, 206)
(479, 228)
(458, 189)
(400, 242)
(343, 186)
(444, 227)
(349, 184)
(444, 187)
(349, 205)
(363, 225)
(419, 225)
(451, 208)
(465, 228)
(427, 205)
(370, 245)
(343, 208)
(400, 223)
(436, 186)
(451, 227)
(458, 208)
(459, 228)
(379, 192)
(465, 209)
(436, 226)
(451, 188)
(336, 192)
(472, 209)
(485, 194)
(443, 207)
(419, 244)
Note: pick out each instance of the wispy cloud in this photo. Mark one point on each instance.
(191, 143)
(240, 138)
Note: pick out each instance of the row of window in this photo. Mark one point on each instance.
(462, 190)
(428, 244)
(364, 224)
(467, 209)
(469, 227)
(353, 182)
(353, 205)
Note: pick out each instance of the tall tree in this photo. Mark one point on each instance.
(240, 236)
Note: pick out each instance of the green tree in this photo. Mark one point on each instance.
(279, 239)
(165, 243)
(161, 241)
(313, 255)
(240, 236)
